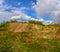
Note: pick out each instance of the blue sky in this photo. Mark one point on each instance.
(47, 11)
(20, 3)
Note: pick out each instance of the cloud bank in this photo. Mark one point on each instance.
(51, 7)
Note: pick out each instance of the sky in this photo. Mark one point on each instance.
(47, 11)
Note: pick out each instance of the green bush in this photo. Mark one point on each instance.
(13, 21)
(35, 22)
(4, 26)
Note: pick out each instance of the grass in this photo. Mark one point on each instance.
(8, 44)
(5, 43)
(43, 45)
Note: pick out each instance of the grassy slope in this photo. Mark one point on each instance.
(34, 38)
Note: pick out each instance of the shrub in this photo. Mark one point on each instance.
(35, 22)
(13, 21)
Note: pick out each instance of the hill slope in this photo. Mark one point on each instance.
(29, 37)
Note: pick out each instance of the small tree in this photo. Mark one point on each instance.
(35, 22)
(13, 21)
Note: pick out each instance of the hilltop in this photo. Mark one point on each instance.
(29, 37)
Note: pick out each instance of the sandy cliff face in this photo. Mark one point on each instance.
(37, 31)
(17, 27)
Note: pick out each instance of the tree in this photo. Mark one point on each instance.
(35, 22)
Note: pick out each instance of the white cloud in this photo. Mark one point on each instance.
(25, 17)
(47, 22)
(1, 1)
(56, 13)
(21, 16)
(44, 6)
(51, 7)
(5, 15)
(41, 20)
(56, 16)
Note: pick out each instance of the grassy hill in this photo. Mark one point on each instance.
(29, 37)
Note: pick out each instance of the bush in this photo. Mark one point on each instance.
(13, 21)
(4, 26)
(35, 22)
(5, 44)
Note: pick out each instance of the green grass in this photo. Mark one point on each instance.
(10, 44)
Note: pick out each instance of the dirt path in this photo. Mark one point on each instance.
(13, 26)
(17, 27)
(20, 27)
